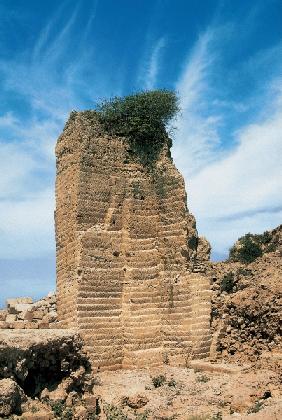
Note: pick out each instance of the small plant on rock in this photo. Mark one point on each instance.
(158, 381)
(203, 378)
(141, 118)
(217, 416)
(58, 408)
(172, 383)
(114, 413)
(142, 416)
(256, 407)
(227, 282)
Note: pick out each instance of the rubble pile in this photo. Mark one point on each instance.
(23, 313)
(43, 371)
(247, 307)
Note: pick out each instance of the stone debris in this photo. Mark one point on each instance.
(11, 398)
(247, 307)
(42, 370)
(23, 313)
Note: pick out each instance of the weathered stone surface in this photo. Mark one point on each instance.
(22, 307)
(126, 246)
(247, 306)
(203, 249)
(3, 314)
(16, 301)
(37, 359)
(136, 402)
(11, 397)
(22, 313)
(11, 318)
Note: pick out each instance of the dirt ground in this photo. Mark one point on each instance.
(193, 393)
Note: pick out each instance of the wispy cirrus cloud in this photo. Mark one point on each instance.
(233, 178)
(50, 82)
(154, 64)
(151, 64)
(197, 125)
(241, 192)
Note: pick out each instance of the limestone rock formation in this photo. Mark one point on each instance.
(43, 370)
(11, 398)
(247, 305)
(126, 247)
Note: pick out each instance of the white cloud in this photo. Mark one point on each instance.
(26, 226)
(50, 82)
(16, 167)
(241, 192)
(153, 65)
(234, 190)
(150, 64)
(197, 127)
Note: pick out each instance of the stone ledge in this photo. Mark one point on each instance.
(207, 366)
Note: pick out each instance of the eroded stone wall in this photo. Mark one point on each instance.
(126, 248)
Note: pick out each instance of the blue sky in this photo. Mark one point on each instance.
(224, 58)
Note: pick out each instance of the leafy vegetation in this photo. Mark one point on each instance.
(61, 411)
(202, 378)
(248, 250)
(114, 413)
(244, 272)
(172, 383)
(58, 408)
(193, 242)
(158, 381)
(250, 247)
(227, 282)
(256, 407)
(142, 118)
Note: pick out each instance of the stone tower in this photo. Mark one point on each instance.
(126, 244)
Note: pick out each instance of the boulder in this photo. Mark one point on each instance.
(11, 397)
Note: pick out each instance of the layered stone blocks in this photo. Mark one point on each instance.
(23, 313)
(126, 247)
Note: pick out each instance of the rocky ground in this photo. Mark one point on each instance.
(201, 391)
(247, 307)
(44, 374)
(40, 370)
(190, 393)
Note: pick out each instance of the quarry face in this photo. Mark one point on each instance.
(126, 252)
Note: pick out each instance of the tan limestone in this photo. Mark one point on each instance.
(126, 247)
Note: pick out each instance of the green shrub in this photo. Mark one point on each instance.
(58, 408)
(142, 118)
(67, 414)
(202, 378)
(265, 238)
(217, 416)
(244, 272)
(249, 249)
(60, 411)
(193, 242)
(227, 282)
(172, 383)
(256, 407)
(271, 247)
(142, 416)
(114, 413)
(158, 381)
